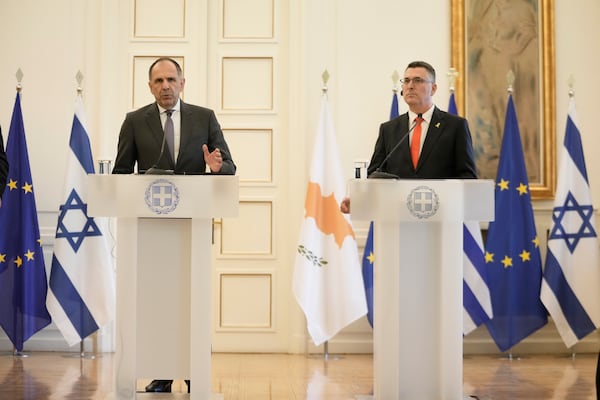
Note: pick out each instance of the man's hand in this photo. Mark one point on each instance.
(345, 205)
(214, 160)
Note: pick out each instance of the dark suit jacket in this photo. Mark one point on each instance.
(447, 151)
(141, 138)
(3, 166)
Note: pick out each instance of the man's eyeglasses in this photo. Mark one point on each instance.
(416, 81)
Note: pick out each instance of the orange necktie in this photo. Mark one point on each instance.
(415, 144)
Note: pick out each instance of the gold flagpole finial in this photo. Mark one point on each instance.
(19, 76)
(79, 79)
(571, 83)
(452, 75)
(325, 77)
(395, 79)
(510, 78)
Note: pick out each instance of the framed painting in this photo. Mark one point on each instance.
(489, 39)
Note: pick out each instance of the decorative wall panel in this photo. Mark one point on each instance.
(159, 19)
(250, 234)
(237, 25)
(247, 83)
(245, 301)
(245, 145)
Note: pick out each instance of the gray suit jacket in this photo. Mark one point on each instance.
(141, 139)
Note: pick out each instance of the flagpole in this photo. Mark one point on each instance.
(510, 77)
(19, 75)
(19, 87)
(326, 355)
(571, 83)
(81, 354)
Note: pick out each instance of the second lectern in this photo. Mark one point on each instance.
(164, 274)
(418, 231)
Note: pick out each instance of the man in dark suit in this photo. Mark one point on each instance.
(444, 149)
(3, 167)
(197, 141)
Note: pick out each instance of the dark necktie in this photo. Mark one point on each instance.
(170, 133)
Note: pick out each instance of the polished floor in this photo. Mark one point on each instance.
(60, 376)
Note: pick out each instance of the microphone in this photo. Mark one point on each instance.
(378, 173)
(153, 170)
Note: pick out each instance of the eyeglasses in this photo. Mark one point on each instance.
(416, 81)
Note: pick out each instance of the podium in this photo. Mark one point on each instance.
(164, 274)
(418, 311)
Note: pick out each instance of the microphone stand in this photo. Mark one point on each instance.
(378, 173)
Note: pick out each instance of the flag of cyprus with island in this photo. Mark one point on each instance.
(327, 279)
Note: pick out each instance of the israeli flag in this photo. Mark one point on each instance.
(572, 271)
(82, 278)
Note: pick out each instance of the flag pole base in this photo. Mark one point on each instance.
(82, 354)
(19, 354)
(326, 356)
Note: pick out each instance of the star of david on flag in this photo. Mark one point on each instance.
(74, 223)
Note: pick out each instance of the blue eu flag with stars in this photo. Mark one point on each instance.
(512, 251)
(22, 271)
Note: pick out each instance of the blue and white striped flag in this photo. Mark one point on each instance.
(477, 304)
(572, 270)
(82, 290)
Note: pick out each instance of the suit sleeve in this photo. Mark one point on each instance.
(465, 158)
(217, 140)
(379, 153)
(126, 149)
(3, 166)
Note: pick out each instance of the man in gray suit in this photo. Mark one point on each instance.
(197, 141)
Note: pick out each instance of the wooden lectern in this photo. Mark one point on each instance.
(418, 271)
(164, 274)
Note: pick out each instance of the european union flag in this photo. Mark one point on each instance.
(512, 249)
(452, 108)
(367, 271)
(22, 271)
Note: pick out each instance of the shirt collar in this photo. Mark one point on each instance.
(426, 115)
(177, 107)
